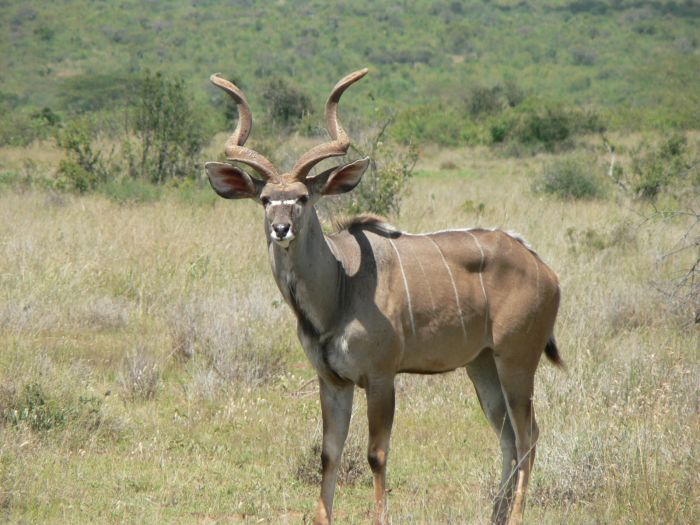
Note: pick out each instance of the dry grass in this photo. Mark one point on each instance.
(174, 389)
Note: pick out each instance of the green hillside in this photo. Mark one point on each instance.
(636, 62)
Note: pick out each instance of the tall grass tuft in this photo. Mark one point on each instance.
(140, 375)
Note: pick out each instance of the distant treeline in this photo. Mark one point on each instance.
(449, 71)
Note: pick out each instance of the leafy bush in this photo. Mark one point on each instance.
(47, 117)
(83, 168)
(513, 93)
(547, 127)
(484, 101)
(168, 132)
(75, 177)
(542, 125)
(33, 406)
(667, 165)
(385, 182)
(21, 129)
(569, 178)
(285, 102)
(435, 124)
(161, 142)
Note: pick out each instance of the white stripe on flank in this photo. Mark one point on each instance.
(481, 266)
(425, 276)
(425, 234)
(537, 283)
(405, 283)
(454, 286)
(481, 280)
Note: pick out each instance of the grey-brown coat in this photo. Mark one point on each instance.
(372, 302)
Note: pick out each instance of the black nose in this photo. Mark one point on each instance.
(281, 230)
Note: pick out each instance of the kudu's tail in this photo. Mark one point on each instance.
(552, 353)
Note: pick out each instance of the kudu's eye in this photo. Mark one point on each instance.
(303, 199)
(265, 201)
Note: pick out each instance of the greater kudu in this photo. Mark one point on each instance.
(372, 302)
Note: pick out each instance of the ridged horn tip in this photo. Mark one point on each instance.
(350, 79)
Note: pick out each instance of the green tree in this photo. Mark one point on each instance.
(167, 129)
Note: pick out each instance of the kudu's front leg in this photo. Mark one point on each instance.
(380, 415)
(336, 408)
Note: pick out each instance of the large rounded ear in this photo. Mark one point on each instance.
(231, 182)
(340, 179)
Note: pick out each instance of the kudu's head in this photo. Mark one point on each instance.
(289, 197)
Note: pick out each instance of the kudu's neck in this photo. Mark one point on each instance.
(309, 276)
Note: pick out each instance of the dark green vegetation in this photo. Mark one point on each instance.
(533, 71)
(124, 91)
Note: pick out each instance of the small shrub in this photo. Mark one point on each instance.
(35, 408)
(285, 102)
(83, 168)
(75, 177)
(662, 167)
(542, 126)
(499, 130)
(569, 178)
(484, 101)
(513, 93)
(550, 127)
(386, 180)
(47, 117)
(21, 129)
(435, 124)
(45, 33)
(79, 417)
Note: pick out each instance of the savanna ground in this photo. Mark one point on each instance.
(150, 373)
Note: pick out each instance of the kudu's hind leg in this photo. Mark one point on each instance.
(482, 371)
(380, 416)
(336, 408)
(517, 382)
